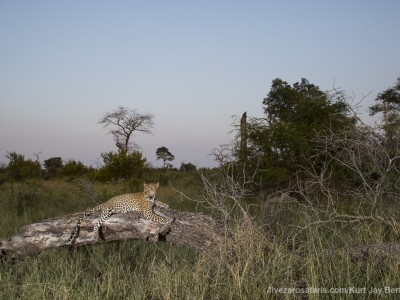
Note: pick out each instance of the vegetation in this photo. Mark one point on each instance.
(314, 183)
(164, 154)
(279, 143)
(273, 249)
(20, 168)
(53, 166)
(121, 165)
(188, 167)
(388, 103)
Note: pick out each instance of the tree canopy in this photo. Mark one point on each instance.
(164, 154)
(294, 114)
(388, 103)
(53, 166)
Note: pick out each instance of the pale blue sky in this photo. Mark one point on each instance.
(193, 64)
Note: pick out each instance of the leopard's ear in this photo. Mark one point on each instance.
(158, 184)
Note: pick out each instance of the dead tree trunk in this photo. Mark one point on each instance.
(243, 138)
(193, 230)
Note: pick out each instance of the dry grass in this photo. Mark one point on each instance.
(252, 259)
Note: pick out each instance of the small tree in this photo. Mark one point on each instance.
(73, 168)
(187, 167)
(53, 166)
(123, 122)
(388, 103)
(164, 154)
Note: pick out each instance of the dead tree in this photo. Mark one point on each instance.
(243, 138)
(193, 230)
(123, 122)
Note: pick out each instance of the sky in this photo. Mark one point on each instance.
(192, 64)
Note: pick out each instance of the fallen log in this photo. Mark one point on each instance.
(193, 230)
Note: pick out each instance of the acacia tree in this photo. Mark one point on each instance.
(164, 154)
(123, 122)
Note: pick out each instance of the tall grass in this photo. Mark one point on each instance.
(258, 255)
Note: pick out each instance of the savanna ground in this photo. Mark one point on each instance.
(270, 248)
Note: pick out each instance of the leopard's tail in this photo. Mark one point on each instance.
(75, 232)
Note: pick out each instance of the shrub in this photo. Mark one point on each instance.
(20, 169)
(73, 168)
(121, 166)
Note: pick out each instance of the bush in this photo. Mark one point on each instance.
(20, 169)
(121, 166)
(53, 166)
(188, 167)
(73, 168)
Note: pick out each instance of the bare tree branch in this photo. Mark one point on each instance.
(123, 122)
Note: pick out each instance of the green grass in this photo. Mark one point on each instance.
(252, 258)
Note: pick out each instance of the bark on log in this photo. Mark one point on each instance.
(193, 230)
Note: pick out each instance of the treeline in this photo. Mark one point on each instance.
(307, 137)
(126, 163)
(116, 166)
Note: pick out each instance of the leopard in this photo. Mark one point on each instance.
(143, 202)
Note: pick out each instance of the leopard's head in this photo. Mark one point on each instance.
(150, 191)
